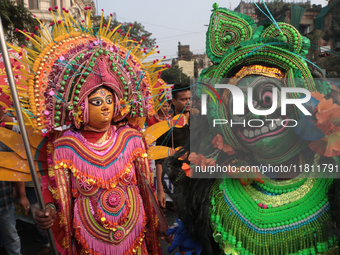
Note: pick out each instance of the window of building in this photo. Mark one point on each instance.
(56, 3)
(53, 3)
(33, 4)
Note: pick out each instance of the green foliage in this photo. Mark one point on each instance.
(315, 36)
(332, 66)
(336, 23)
(137, 31)
(314, 50)
(16, 16)
(175, 75)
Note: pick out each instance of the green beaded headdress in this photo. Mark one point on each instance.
(234, 42)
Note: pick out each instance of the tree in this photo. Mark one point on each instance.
(315, 38)
(16, 16)
(137, 30)
(175, 75)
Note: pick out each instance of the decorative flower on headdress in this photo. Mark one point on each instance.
(322, 128)
(327, 113)
(79, 116)
(218, 143)
(327, 116)
(124, 107)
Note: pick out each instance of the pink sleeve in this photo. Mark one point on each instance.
(47, 195)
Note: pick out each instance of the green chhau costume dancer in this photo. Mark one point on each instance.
(249, 215)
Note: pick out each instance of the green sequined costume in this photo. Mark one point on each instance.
(273, 217)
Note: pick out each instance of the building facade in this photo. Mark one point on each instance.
(75, 7)
(247, 8)
(192, 64)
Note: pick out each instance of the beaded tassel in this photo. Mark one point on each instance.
(233, 232)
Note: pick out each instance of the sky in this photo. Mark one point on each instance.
(170, 22)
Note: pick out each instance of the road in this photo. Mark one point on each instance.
(30, 245)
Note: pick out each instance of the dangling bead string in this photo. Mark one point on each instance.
(297, 55)
(127, 55)
(317, 47)
(53, 31)
(140, 79)
(264, 12)
(59, 98)
(28, 112)
(73, 69)
(272, 18)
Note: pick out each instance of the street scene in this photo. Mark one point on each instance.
(181, 127)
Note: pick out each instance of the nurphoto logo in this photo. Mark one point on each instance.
(238, 105)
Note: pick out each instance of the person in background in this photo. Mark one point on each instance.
(161, 115)
(181, 99)
(42, 236)
(196, 103)
(29, 191)
(9, 237)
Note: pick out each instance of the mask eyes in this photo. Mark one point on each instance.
(96, 102)
(109, 100)
(267, 98)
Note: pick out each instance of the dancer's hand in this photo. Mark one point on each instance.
(165, 237)
(45, 220)
(161, 198)
(24, 203)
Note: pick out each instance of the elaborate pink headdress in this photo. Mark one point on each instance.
(73, 62)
